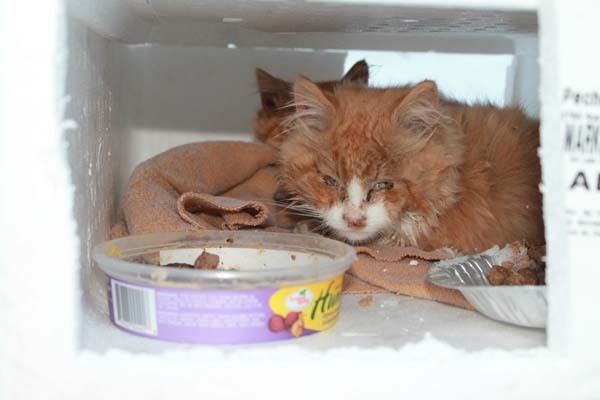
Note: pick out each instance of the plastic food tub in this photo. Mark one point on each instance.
(268, 286)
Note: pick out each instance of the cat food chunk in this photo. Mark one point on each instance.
(366, 301)
(535, 252)
(542, 277)
(514, 279)
(508, 265)
(523, 269)
(207, 260)
(523, 262)
(529, 276)
(498, 275)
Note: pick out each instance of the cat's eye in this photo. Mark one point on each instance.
(383, 185)
(330, 181)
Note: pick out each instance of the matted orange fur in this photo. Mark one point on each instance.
(276, 96)
(400, 165)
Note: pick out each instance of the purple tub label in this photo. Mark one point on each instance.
(224, 316)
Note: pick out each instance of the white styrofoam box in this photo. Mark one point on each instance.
(60, 178)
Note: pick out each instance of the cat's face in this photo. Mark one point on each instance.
(276, 95)
(369, 162)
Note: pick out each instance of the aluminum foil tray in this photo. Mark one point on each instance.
(518, 305)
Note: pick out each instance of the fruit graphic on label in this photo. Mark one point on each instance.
(297, 327)
(299, 299)
(291, 318)
(276, 323)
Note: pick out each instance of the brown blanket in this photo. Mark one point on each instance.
(230, 185)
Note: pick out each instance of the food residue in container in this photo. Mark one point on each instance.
(293, 257)
(366, 301)
(507, 275)
(526, 268)
(114, 251)
(205, 260)
(179, 265)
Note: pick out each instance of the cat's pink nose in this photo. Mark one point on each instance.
(355, 219)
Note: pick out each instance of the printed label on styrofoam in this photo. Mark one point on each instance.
(580, 130)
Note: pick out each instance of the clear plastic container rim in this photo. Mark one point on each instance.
(108, 255)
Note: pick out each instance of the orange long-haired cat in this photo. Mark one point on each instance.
(276, 96)
(401, 165)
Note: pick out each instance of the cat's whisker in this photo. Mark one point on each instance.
(278, 203)
(287, 128)
(321, 228)
(291, 208)
(299, 214)
(306, 213)
(301, 207)
(300, 211)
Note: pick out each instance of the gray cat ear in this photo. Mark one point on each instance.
(312, 107)
(359, 73)
(274, 92)
(419, 111)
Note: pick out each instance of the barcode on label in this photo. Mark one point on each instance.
(134, 307)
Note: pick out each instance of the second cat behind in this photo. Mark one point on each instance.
(276, 96)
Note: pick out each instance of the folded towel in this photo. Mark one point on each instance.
(230, 185)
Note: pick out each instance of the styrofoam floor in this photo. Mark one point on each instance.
(391, 321)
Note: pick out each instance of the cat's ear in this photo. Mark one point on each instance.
(359, 73)
(419, 110)
(313, 108)
(274, 92)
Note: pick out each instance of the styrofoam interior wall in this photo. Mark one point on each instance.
(279, 23)
(40, 349)
(94, 142)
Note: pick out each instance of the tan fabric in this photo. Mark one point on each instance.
(224, 212)
(230, 185)
(402, 270)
